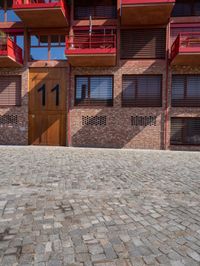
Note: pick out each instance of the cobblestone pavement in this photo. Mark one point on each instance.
(63, 206)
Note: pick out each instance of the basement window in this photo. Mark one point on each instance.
(94, 90)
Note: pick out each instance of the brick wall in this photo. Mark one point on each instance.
(16, 133)
(119, 132)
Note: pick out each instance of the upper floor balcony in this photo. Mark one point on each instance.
(146, 12)
(91, 49)
(10, 53)
(42, 13)
(186, 49)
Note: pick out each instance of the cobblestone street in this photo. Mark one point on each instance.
(65, 206)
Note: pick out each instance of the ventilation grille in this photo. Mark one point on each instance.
(94, 120)
(8, 120)
(143, 121)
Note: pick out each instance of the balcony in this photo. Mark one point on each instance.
(10, 53)
(186, 49)
(91, 50)
(42, 13)
(146, 12)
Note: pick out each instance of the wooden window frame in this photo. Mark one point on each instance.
(49, 46)
(183, 132)
(88, 101)
(183, 102)
(125, 104)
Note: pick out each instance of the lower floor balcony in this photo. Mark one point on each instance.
(10, 53)
(186, 49)
(91, 50)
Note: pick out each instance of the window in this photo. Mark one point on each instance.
(185, 8)
(10, 90)
(95, 8)
(142, 91)
(6, 12)
(94, 90)
(143, 43)
(185, 131)
(186, 90)
(47, 47)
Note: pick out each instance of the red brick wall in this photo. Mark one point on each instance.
(16, 134)
(119, 132)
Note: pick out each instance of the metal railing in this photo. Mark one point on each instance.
(93, 41)
(186, 42)
(11, 49)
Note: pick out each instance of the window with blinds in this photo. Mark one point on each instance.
(97, 9)
(186, 91)
(185, 8)
(10, 90)
(143, 44)
(142, 91)
(185, 131)
(94, 90)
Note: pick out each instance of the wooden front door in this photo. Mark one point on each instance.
(47, 106)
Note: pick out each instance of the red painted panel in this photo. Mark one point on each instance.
(138, 2)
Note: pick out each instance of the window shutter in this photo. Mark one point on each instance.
(10, 90)
(142, 90)
(143, 43)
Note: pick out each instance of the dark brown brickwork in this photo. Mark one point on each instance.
(119, 132)
(14, 120)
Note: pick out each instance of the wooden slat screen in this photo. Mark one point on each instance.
(185, 8)
(143, 44)
(94, 90)
(10, 90)
(185, 131)
(142, 91)
(97, 9)
(186, 91)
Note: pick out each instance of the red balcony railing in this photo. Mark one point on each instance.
(18, 4)
(10, 49)
(94, 43)
(187, 42)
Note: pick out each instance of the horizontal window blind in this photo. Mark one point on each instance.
(186, 90)
(96, 9)
(185, 8)
(185, 131)
(143, 43)
(142, 90)
(94, 90)
(10, 90)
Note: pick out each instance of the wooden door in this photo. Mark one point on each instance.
(47, 106)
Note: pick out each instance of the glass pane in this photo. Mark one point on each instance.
(58, 53)
(44, 40)
(149, 87)
(129, 88)
(20, 41)
(39, 53)
(62, 40)
(81, 88)
(101, 88)
(34, 40)
(178, 84)
(54, 40)
(11, 16)
(2, 15)
(193, 86)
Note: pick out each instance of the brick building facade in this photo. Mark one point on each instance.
(115, 74)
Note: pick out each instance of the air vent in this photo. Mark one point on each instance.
(8, 120)
(143, 121)
(94, 120)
